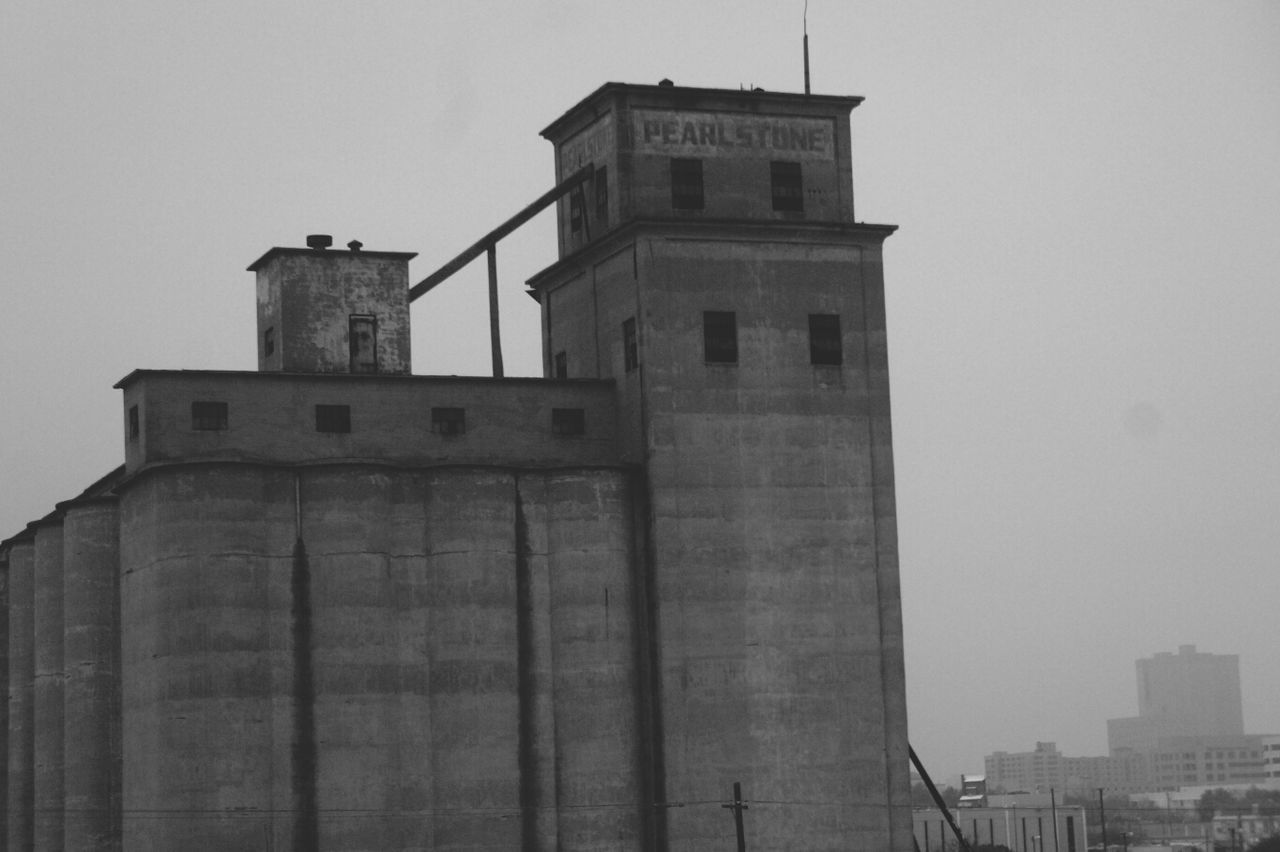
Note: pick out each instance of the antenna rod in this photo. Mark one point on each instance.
(806, 47)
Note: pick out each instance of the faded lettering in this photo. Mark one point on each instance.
(714, 134)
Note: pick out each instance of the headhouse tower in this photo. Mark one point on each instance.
(713, 268)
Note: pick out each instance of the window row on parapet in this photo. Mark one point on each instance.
(720, 342)
(215, 416)
(786, 184)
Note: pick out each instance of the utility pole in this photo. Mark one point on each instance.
(1102, 811)
(738, 806)
(1053, 805)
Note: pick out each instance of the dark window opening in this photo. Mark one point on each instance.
(568, 421)
(720, 337)
(602, 197)
(575, 211)
(333, 418)
(630, 346)
(269, 342)
(448, 421)
(788, 189)
(562, 365)
(208, 416)
(825, 346)
(686, 184)
(135, 423)
(363, 338)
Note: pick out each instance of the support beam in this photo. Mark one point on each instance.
(488, 240)
(495, 335)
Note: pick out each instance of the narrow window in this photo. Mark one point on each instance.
(135, 423)
(562, 365)
(824, 339)
(568, 421)
(630, 347)
(448, 421)
(602, 197)
(686, 184)
(575, 211)
(788, 191)
(720, 337)
(333, 418)
(269, 342)
(363, 339)
(208, 416)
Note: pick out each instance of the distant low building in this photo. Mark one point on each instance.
(1022, 829)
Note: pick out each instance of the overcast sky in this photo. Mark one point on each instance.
(1083, 294)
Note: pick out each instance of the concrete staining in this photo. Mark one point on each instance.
(330, 605)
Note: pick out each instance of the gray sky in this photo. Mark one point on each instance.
(1082, 296)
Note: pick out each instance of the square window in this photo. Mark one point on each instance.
(686, 183)
(561, 368)
(568, 421)
(135, 423)
(448, 421)
(788, 189)
(720, 337)
(630, 346)
(333, 418)
(208, 416)
(602, 196)
(825, 345)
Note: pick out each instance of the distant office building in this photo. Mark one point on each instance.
(1046, 769)
(1187, 761)
(1271, 758)
(1188, 694)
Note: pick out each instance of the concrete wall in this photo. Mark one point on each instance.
(634, 131)
(21, 762)
(368, 658)
(271, 418)
(777, 627)
(205, 557)
(307, 297)
(773, 547)
(50, 685)
(91, 530)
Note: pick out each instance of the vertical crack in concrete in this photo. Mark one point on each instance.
(526, 684)
(306, 832)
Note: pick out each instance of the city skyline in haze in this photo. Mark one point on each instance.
(1081, 295)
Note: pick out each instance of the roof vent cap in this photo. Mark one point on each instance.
(666, 82)
(319, 242)
(355, 245)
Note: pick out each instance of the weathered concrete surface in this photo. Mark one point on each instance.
(91, 530)
(308, 297)
(4, 685)
(773, 551)
(633, 132)
(21, 763)
(206, 554)
(601, 796)
(776, 626)
(271, 419)
(439, 659)
(49, 686)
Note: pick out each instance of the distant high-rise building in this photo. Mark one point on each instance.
(1188, 694)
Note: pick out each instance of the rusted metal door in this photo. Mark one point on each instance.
(364, 344)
